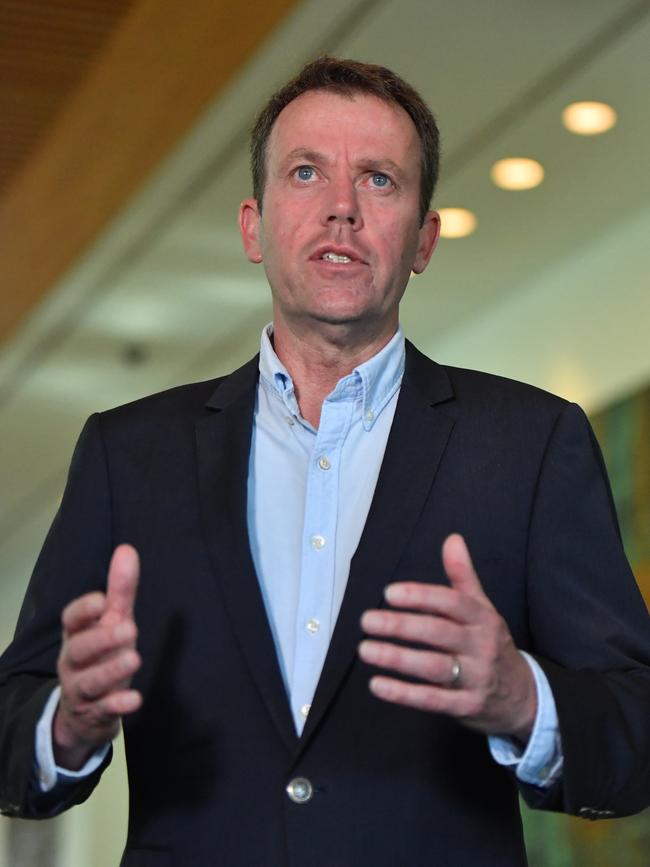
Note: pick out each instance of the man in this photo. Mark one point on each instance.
(333, 488)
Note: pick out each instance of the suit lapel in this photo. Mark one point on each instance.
(223, 439)
(415, 446)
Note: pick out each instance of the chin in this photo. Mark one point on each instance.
(345, 316)
(341, 307)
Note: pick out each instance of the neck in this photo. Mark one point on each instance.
(318, 359)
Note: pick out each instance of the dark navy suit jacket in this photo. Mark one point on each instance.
(514, 469)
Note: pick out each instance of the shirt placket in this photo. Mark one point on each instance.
(313, 628)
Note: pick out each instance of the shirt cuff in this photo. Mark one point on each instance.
(540, 763)
(47, 771)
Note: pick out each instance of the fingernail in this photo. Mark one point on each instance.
(123, 631)
(368, 651)
(95, 605)
(379, 687)
(127, 661)
(130, 701)
(371, 620)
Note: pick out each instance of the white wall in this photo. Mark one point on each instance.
(580, 329)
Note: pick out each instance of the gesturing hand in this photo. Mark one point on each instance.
(469, 666)
(96, 664)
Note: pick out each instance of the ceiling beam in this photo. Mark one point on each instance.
(163, 66)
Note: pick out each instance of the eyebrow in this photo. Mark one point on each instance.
(372, 164)
(306, 154)
(385, 165)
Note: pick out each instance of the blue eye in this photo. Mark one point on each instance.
(380, 180)
(305, 173)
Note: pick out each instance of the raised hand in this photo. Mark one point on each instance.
(96, 663)
(466, 660)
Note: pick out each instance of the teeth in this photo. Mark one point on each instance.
(333, 257)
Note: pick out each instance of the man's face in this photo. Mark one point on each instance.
(339, 234)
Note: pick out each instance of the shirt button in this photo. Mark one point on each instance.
(300, 790)
(323, 463)
(304, 710)
(313, 625)
(370, 415)
(318, 542)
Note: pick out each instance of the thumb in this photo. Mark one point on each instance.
(123, 575)
(458, 566)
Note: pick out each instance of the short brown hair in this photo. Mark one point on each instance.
(348, 77)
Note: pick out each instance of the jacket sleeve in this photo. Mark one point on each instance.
(74, 560)
(590, 631)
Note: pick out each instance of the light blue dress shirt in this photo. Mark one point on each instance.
(309, 493)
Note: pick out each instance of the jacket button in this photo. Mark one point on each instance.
(300, 790)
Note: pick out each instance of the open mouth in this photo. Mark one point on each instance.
(335, 257)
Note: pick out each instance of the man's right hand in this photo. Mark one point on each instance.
(96, 663)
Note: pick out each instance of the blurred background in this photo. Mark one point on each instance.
(123, 158)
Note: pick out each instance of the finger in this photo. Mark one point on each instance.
(458, 703)
(100, 680)
(98, 721)
(438, 632)
(83, 612)
(459, 568)
(122, 702)
(435, 599)
(90, 645)
(123, 574)
(426, 665)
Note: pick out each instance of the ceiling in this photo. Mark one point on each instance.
(46, 49)
(162, 294)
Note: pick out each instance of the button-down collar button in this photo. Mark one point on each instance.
(304, 710)
(324, 463)
(318, 542)
(370, 415)
(313, 625)
(290, 420)
(300, 790)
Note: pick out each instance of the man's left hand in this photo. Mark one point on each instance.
(465, 657)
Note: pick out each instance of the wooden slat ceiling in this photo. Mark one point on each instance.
(98, 114)
(46, 48)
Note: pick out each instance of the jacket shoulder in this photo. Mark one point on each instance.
(473, 390)
(490, 388)
(182, 403)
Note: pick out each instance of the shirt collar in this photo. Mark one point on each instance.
(374, 382)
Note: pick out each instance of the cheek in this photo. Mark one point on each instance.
(280, 236)
(279, 253)
(398, 246)
(273, 240)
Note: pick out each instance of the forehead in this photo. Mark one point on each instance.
(361, 125)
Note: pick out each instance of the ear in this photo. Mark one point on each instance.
(429, 234)
(249, 228)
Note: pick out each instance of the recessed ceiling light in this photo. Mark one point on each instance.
(517, 173)
(456, 222)
(588, 118)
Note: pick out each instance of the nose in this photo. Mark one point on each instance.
(341, 204)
